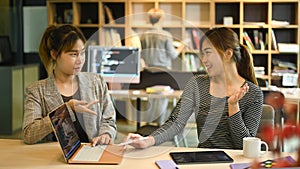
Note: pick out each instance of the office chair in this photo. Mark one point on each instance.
(262, 82)
(267, 117)
(276, 100)
(267, 120)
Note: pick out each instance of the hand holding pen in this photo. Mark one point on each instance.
(138, 141)
(130, 141)
(234, 98)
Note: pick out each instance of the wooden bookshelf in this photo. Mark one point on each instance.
(182, 16)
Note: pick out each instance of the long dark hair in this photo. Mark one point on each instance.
(58, 38)
(225, 38)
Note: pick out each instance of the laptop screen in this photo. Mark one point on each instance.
(65, 131)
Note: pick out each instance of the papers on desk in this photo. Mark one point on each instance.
(159, 89)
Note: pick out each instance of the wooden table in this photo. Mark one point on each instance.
(127, 95)
(15, 154)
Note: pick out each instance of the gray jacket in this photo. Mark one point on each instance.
(43, 97)
(157, 48)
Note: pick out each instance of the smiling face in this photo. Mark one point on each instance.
(211, 59)
(70, 62)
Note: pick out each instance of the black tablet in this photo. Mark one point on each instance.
(201, 157)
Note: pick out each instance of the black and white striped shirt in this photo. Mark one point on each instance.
(215, 129)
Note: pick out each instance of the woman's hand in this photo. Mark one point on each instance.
(138, 142)
(81, 106)
(233, 99)
(102, 139)
(233, 104)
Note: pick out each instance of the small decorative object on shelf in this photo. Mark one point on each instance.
(228, 20)
(68, 16)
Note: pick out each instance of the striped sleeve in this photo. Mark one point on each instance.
(179, 116)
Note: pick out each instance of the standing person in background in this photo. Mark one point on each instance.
(158, 51)
(62, 51)
(157, 44)
(227, 103)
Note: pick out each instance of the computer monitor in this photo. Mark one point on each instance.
(115, 64)
(5, 51)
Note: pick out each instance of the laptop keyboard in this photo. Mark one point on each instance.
(89, 153)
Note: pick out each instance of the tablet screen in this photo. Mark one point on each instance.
(201, 157)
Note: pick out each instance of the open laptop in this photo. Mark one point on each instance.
(74, 151)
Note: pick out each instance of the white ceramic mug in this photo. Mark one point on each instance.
(252, 147)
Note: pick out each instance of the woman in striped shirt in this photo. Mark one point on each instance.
(227, 103)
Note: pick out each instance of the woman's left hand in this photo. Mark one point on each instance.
(102, 139)
(81, 106)
(233, 99)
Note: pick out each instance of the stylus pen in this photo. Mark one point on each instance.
(244, 83)
(131, 141)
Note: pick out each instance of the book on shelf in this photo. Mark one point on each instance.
(248, 41)
(192, 62)
(196, 39)
(279, 23)
(259, 43)
(280, 65)
(259, 70)
(255, 23)
(280, 70)
(288, 47)
(188, 39)
(256, 39)
(273, 41)
(159, 89)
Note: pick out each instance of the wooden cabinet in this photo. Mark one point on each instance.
(187, 20)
